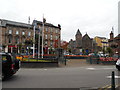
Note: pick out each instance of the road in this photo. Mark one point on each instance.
(92, 76)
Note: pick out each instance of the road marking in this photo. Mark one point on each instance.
(99, 68)
(107, 87)
(90, 68)
(115, 77)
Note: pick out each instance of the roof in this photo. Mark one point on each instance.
(118, 35)
(86, 36)
(101, 37)
(4, 23)
(46, 24)
(78, 32)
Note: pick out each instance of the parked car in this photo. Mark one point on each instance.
(118, 64)
(10, 65)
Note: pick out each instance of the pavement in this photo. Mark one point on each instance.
(78, 63)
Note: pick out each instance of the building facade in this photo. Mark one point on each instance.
(17, 37)
(14, 34)
(82, 44)
(101, 42)
(51, 36)
(114, 43)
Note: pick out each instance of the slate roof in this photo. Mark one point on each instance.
(78, 32)
(86, 36)
(46, 24)
(4, 23)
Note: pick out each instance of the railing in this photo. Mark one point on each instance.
(101, 60)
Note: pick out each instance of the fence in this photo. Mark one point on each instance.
(101, 60)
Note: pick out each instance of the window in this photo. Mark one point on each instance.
(46, 42)
(56, 37)
(0, 22)
(17, 32)
(29, 33)
(51, 37)
(10, 39)
(23, 39)
(23, 33)
(46, 36)
(51, 30)
(46, 29)
(51, 43)
(17, 40)
(10, 32)
(56, 31)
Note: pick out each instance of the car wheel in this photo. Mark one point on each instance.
(17, 64)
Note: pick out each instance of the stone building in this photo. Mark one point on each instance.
(114, 43)
(87, 44)
(82, 44)
(52, 36)
(14, 34)
(72, 46)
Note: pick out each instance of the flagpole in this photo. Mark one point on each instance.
(42, 35)
(34, 41)
(39, 44)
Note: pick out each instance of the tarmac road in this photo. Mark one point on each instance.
(70, 76)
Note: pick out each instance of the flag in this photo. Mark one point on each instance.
(44, 20)
(112, 28)
(35, 23)
(29, 20)
(39, 30)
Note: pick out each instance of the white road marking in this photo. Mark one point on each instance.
(90, 68)
(108, 68)
(115, 77)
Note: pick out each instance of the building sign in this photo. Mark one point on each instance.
(12, 46)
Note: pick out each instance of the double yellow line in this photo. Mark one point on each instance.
(107, 87)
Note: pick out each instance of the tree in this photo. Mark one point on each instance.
(28, 43)
(110, 51)
(20, 47)
(103, 50)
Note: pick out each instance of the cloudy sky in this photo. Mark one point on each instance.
(95, 17)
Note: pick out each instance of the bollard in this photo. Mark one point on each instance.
(113, 81)
(65, 62)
